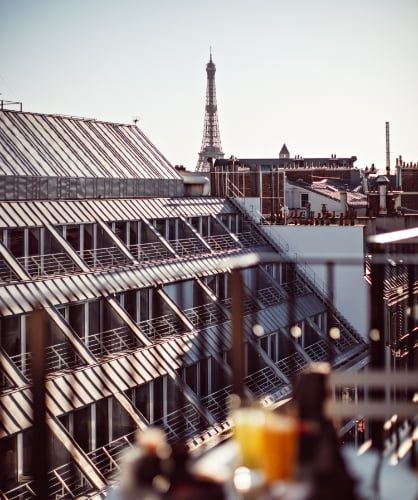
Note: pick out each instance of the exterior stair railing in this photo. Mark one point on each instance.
(306, 273)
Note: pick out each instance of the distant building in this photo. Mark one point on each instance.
(289, 182)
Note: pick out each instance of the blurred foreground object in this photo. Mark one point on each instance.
(320, 459)
(155, 470)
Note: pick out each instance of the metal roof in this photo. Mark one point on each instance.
(87, 385)
(59, 146)
(38, 213)
(23, 297)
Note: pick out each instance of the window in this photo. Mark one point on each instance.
(304, 199)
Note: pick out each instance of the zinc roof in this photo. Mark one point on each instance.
(23, 297)
(53, 145)
(55, 212)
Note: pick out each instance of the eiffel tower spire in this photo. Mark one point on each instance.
(211, 142)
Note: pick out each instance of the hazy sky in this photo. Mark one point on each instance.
(322, 76)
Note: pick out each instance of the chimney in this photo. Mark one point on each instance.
(383, 182)
(343, 200)
(397, 201)
(399, 172)
(387, 150)
(365, 180)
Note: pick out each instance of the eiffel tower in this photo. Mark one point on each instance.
(211, 142)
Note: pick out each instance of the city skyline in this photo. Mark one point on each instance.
(323, 77)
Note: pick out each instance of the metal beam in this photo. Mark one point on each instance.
(131, 409)
(195, 233)
(12, 263)
(122, 247)
(160, 238)
(121, 312)
(179, 312)
(11, 371)
(80, 347)
(67, 247)
(81, 459)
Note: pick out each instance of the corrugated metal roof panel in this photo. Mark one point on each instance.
(89, 384)
(56, 212)
(25, 296)
(53, 145)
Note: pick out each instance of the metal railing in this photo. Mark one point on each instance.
(107, 458)
(58, 357)
(188, 246)
(161, 327)
(150, 252)
(295, 288)
(318, 351)
(222, 243)
(113, 341)
(184, 423)
(291, 365)
(217, 403)
(6, 274)
(205, 315)
(250, 239)
(270, 296)
(48, 265)
(264, 382)
(102, 258)
(65, 481)
(249, 305)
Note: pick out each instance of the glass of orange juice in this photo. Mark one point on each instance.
(279, 447)
(249, 435)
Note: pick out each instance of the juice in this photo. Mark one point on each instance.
(249, 434)
(280, 447)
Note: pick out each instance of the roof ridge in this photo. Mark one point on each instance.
(68, 117)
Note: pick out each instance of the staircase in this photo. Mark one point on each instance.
(309, 282)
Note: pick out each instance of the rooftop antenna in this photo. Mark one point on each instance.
(135, 119)
(210, 52)
(387, 150)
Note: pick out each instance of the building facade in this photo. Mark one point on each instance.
(133, 281)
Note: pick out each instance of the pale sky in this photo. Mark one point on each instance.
(321, 75)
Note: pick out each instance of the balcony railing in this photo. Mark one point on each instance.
(292, 365)
(189, 246)
(217, 403)
(6, 274)
(63, 482)
(264, 382)
(112, 341)
(103, 258)
(319, 351)
(270, 296)
(205, 315)
(164, 326)
(48, 265)
(150, 252)
(248, 305)
(295, 288)
(346, 340)
(58, 357)
(107, 458)
(222, 243)
(184, 423)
